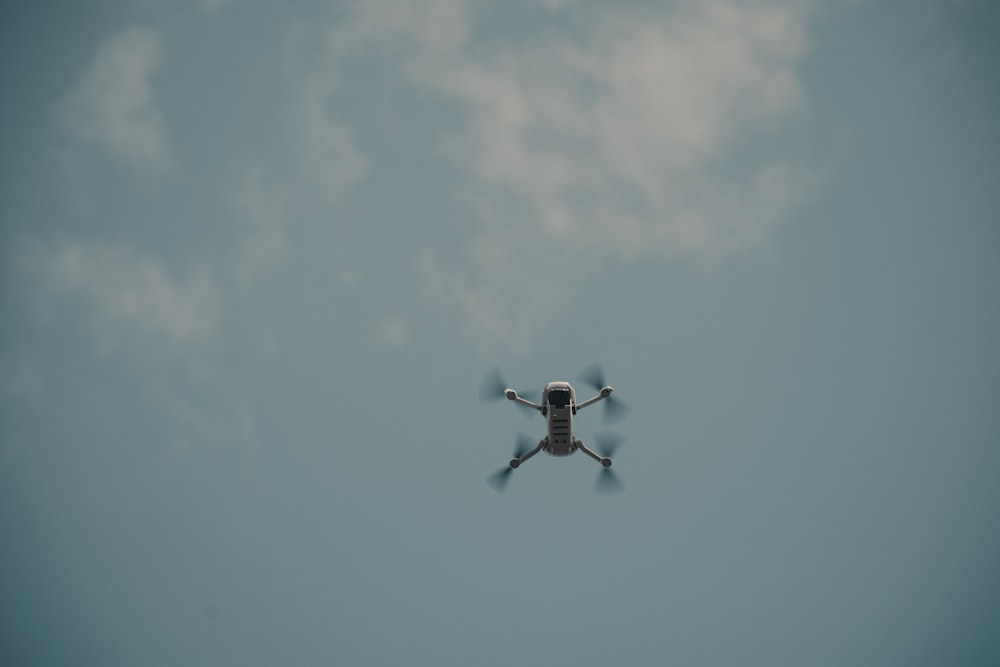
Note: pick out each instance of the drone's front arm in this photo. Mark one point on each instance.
(605, 392)
(512, 395)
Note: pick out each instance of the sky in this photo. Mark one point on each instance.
(258, 257)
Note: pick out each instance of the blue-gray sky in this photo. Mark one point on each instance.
(257, 258)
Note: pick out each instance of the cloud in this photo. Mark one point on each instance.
(393, 331)
(331, 161)
(618, 137)
(557, 5)
(434, 27)
(131, 293)
(263, 246)
(613, 139)
(112, 103)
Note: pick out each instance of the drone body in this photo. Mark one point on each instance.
(559, 407)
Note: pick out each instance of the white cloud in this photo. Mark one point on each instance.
(264, 245)
(331, 160)
(616, 140)
(436, 27)
(557, 5)
(393, 331)
(158, 326)
(611, 139)
(130, 292)
(112, 103)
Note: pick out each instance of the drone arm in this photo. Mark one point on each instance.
(592, 454)
(538, 448)
(512, 395)
(605, 392)
(524, 401)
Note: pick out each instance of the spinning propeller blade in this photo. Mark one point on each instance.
(492, 387)
(594, 376)
(607, 443)
(614, 409)
(608, 482)
(499, 479)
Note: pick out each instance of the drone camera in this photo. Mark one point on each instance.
(559, 398)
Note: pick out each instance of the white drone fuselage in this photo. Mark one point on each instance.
(558, 405)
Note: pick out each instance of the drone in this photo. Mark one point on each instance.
(558, 405)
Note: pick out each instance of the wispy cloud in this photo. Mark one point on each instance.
(615, 140)
(393, 331)
(264, 212)
(112, 104)
(160, 327)
(331, 161)
(130, 293)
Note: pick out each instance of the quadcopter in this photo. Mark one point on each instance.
(558, 405)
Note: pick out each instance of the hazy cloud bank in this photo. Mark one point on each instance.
(613, 139)
(112, 104)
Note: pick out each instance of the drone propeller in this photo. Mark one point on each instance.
(614, 409)
(608, 482)
(494, 388)
(499, 479)
(594, 376)
(607, 444)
